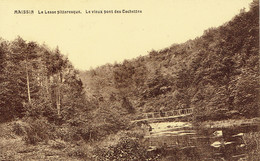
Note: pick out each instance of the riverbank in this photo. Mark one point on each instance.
(14, 145)
(228, 123)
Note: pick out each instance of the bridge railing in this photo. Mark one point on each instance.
(173, 113)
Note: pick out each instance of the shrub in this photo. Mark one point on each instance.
(80, 153)
(67, 133)
(58, 144)
(126, 149)
(83, 151)
(252, 141)
(19, 128)
(37, 131)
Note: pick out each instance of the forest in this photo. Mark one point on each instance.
(47, 103)
(218, 71)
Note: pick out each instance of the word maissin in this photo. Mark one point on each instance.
(23, 11)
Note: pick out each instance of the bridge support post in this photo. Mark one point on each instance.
(146, 116)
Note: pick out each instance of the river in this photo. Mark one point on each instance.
(183, 141)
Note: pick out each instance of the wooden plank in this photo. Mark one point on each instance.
(160, 118)
(157, 115)
(164, 115)
(169, 113)
(150, 115)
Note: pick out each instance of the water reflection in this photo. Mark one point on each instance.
(181, 141)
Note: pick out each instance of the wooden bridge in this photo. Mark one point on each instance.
(164, 115)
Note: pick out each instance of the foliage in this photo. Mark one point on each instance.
(36, 81)
(19, 128)
(252, 142)
(217, 74)
(126, 149)
(38, 131)
(218, 71)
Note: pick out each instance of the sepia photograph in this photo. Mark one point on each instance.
(129, 80)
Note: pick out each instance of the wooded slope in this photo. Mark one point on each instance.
(217, 71)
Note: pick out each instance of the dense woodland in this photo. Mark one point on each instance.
(36, 81)
(216, 72)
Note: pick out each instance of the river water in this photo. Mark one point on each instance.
(182, 141)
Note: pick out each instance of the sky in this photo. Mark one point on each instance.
(91, 40)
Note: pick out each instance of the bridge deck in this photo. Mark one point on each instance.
(164, 115)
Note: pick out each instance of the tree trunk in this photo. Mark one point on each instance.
(28, 83)
(47, 83)
(58, 95)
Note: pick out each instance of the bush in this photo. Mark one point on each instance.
(252, 141)
(38, 131)
(58, 144)
(19, 128)
(67, 133)
(82, 151)
(126, 149)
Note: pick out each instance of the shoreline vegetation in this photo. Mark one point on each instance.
(51, 111)
(229, 123)
(14, 143)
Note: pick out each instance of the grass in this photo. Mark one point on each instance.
(228, 123)
(252, 141)
(25, 140)
(13, 146)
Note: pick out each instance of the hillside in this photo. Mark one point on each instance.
(218, 71)
(51, 111)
